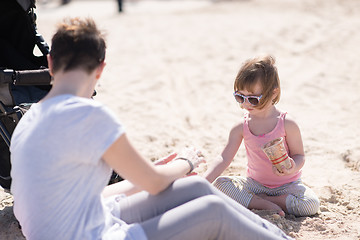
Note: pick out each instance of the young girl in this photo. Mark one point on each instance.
(257, 90)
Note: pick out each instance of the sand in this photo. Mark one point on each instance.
(169, 78)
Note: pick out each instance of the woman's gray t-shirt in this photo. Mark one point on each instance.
(58, 174)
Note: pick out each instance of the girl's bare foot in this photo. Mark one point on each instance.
(258, 202)
(262, 195)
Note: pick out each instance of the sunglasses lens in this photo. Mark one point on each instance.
(253, 101)
(239, 99)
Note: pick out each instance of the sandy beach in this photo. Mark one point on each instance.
(169, 77)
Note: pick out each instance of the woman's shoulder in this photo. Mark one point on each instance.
(84, 108)
(83, 104)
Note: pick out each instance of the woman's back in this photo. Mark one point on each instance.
(57, 189)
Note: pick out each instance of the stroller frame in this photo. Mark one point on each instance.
(10, 112)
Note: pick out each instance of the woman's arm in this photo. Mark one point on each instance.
(227, 155)
(123, 187)
(126, 187)
(143, 174)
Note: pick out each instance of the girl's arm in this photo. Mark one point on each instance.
(142, 174)
(295, 144)
(227, 155)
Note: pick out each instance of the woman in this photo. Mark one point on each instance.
(63, 151)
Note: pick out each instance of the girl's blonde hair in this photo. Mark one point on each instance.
(262, 70)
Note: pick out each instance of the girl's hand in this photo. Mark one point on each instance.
(285, 171)
(193, 155)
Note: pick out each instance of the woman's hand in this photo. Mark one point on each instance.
(285, 171)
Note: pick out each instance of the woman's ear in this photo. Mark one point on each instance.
(50, 64)
(100, 69)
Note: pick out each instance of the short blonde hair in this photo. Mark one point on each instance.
(262, 70)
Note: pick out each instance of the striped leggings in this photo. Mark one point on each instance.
(301, 201)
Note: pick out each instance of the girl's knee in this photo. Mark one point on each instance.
(314, 205)
(311, 207)
(302, 207)
(219, 181)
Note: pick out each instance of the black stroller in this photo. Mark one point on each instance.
(24, 77)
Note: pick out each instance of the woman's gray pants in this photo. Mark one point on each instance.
(191, 208)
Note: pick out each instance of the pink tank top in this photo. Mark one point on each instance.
(259, 167)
